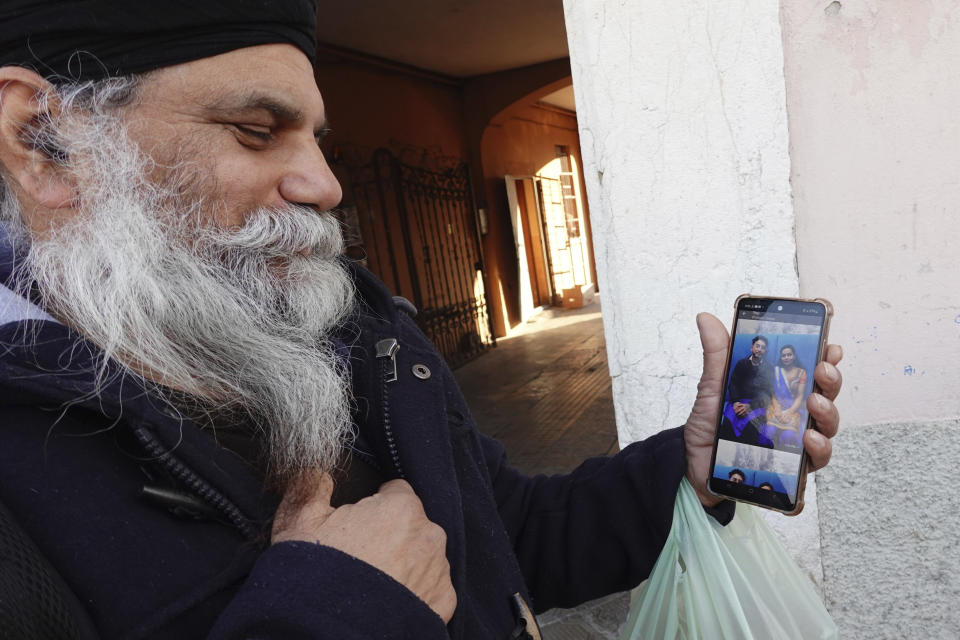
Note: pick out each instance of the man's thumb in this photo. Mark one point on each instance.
(306, 501)
(715, 341)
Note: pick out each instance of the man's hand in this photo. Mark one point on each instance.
(388, 530)
(702, 423)
(741, 409)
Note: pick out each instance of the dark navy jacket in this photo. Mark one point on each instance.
(196, 562)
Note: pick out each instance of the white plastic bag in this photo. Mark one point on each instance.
(735, 582)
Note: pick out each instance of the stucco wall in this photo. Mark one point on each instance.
(684, 138)
(888, 505)
(873, 95)
(683, 133)
(874, 102)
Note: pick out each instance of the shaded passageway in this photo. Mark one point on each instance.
(545, 393)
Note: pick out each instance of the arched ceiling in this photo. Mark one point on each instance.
(458, 38)
(562, 98)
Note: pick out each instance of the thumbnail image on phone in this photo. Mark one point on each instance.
(758, 454)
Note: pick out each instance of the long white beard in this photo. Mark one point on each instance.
(237, 319)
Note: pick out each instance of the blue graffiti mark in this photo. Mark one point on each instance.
(908, 370)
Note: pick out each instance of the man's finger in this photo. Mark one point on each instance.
(824, 413)
(310, 487)
(306, 501)
(819, 449)
(829, 379)
(834, 354)
(324, 490)
(395, 486)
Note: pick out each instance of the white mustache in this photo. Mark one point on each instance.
(279, 233)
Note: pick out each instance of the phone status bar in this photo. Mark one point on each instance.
(780, 316)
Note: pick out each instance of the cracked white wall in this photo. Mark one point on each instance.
(684, 139)
(683, 132)
(873, 94)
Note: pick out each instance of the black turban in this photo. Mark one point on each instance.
(94, 39)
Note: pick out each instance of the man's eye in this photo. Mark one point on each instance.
(259, 132)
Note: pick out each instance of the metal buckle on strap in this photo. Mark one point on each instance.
(527, 627)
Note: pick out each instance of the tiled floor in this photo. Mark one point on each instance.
(545, 393)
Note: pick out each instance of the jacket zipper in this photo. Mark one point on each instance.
(387, 354)
(368, 458)
(197, 484)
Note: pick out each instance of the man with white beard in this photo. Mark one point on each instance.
(209, 421)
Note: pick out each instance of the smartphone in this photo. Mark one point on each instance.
(758, 454)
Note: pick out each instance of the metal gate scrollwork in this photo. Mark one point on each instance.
(421, 237)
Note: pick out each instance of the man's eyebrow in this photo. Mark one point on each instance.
(280, 110)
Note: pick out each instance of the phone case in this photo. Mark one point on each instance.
(802, 479)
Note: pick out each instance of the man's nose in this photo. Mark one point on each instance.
(309, 181)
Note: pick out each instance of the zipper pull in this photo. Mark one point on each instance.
(387, 348)
(183, 505)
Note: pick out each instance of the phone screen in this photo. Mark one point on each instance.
(758, 454)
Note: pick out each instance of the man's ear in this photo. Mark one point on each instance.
(33, 166)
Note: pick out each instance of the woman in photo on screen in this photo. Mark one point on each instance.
(786, 411)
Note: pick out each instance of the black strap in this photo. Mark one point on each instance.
(35, 602)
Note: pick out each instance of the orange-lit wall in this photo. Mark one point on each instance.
(371, 107)
(416, 116)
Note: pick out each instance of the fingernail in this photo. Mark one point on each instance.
(831, 371)
(821, 402)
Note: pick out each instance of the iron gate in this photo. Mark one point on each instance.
(421, 238)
